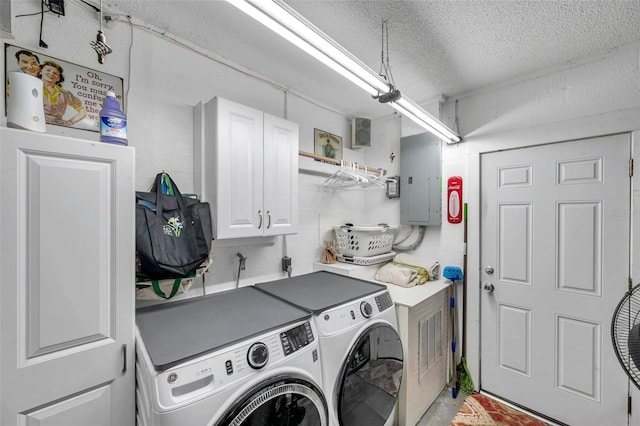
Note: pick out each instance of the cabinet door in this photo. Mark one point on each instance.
(280, 176)
(239, 200)
(66, 290)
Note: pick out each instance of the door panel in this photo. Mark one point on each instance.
(281, 176)
(67, 261)
(239, 177)
(514, 339)
(515, 243)
(51, 292)
(80, 410)
(579, 339)
(552, 229)
(579, 246)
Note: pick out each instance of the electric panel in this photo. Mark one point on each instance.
(420, 180)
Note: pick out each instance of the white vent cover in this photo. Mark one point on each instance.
(430, 329)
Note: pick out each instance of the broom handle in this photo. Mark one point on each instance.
(464, 285)
(454, 363)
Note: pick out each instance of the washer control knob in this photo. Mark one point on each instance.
(366, 309)
(258, 355)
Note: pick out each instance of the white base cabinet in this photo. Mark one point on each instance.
(424, 325)
(66, 289)
(246, 167)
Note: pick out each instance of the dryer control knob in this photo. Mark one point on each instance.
(258, 355)
(366, 309)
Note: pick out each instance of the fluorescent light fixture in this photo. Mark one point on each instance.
(285, 21)
(412, 111)
(293, 27)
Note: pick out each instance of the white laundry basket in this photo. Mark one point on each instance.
(364, 240)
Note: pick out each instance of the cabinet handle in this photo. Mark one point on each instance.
(269, 217)
(124, 358)
(260, 214)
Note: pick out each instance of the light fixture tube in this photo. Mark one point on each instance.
(287, 17)
(273, 24)
(285, 21)
(416, 119)
(423, 116)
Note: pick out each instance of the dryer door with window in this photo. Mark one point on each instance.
(282, 401)
(370, 378)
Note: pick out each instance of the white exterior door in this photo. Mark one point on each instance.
(280, 176)
(66, 291)
(555, 231)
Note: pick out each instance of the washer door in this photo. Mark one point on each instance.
(370, 378)
(280, 402)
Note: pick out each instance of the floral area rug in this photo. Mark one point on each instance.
(480, 410)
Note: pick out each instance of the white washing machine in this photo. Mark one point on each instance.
(360, 348)
(239, 357)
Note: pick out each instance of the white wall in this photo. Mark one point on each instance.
(164, 81)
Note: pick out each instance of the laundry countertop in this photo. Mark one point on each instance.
(405, 296)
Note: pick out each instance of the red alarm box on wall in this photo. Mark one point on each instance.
(454, 199)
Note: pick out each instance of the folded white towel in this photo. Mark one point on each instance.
(398, 275)
(432, 266)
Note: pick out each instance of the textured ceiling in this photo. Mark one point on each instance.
(436, 47)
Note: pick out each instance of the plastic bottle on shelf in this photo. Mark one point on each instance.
(113, 122)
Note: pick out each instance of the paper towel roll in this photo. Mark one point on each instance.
(25, 109)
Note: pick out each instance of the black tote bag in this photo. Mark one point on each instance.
(173, 233)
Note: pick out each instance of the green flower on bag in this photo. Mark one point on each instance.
(173, 226)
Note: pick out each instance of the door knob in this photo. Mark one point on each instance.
(489, 270)
(488, 287)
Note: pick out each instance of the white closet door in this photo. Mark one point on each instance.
(67, 272)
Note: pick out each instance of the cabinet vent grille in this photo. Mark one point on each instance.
(430, 351)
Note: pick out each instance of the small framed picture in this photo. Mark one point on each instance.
(327, 144)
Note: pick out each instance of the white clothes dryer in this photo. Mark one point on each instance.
(239, 357)
(360, 349)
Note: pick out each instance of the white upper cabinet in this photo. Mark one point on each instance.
(246, 167)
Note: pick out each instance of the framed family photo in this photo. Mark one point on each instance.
(72, 94)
